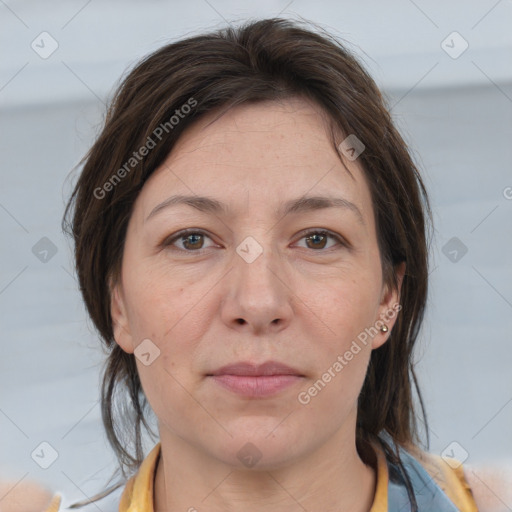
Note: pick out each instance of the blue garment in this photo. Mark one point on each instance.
(429, 496)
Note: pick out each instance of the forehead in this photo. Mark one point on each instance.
(268, 151)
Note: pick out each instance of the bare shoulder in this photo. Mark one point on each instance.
(491, 485)
(23, 496)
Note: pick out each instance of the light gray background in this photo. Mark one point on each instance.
(456, 115)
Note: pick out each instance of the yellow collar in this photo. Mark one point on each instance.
(138, 492)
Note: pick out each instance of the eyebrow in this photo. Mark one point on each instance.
(299, 205)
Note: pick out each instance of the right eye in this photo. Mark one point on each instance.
(190, 238)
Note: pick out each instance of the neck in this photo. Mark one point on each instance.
(187, 480)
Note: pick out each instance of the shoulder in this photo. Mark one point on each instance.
(491, 485)
(486, 486)
(447, 475)
(108, 503)
(21, 496)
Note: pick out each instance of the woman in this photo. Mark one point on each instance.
(251, 243)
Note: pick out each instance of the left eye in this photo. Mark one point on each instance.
(318, 239)
(191, 240)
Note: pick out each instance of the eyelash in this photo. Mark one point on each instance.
(183, 234)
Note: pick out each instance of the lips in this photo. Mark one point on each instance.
(256, 381)
(254, 370)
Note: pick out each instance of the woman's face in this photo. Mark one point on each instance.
(254, 281)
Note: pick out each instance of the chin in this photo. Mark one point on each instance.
(264, 445)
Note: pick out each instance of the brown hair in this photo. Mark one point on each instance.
(269, 59)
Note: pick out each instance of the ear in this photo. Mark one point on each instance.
(120, 324)
(389, 307)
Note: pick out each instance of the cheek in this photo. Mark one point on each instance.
(175, 316)
(157, 301)
(346, 308)
(332, 397)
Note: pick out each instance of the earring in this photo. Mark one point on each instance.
(384, 328)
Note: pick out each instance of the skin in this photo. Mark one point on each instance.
(23, 496)
(490, 485)
(300, 302)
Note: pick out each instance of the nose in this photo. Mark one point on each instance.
(259, 294)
